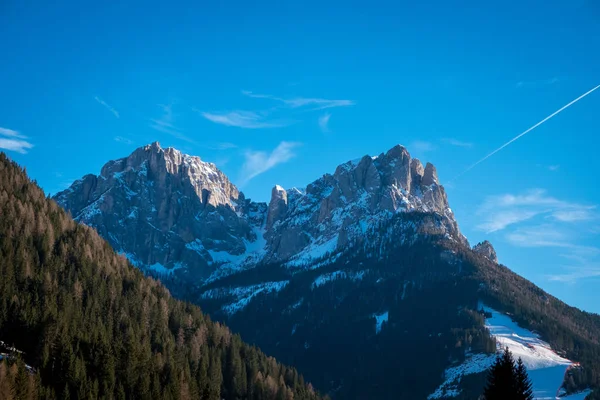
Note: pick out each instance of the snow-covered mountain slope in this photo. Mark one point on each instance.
(546, 368)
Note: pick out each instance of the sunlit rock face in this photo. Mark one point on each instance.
(169, 211)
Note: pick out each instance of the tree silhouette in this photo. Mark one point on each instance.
(507, 380)
(524, 386)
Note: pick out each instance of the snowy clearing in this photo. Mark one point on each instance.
(545, 367)
(379, 320)
(243, 295)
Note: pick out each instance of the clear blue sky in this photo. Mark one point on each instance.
(282, 92)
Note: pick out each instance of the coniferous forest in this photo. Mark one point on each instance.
(88, 325)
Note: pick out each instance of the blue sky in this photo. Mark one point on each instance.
(282, 92)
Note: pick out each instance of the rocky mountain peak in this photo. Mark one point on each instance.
(163, 206)
(486, 249)
(430, 176)
(210, 185)
(277, 206)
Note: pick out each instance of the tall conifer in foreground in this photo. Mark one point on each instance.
(507, 380)
(524, 385)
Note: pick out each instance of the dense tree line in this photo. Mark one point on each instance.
(93, 326)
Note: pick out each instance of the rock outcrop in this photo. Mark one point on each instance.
(486, 249)
(277, 206)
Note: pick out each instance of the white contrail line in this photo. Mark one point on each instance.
(524, 133)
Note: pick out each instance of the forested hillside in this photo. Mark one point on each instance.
(92, 326)
(415, 308)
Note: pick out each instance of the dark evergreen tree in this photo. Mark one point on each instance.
(524, 386)
(501, 378)
(507, 380)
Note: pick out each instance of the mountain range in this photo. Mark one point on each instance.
(362, 280)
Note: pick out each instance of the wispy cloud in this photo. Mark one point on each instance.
(123, 140)
(243, 119)
(576, 273)
(582, 260)
(421, 146)
(499, 212)
(224, 146)
(297, 102)
(258, 162)
(548, 235)
(14, 141)
(552, 168)
(581, 266)
(10, 133)
(166, 125)
(107, 106)
(458, 143)
(541, 82)
(324, 122)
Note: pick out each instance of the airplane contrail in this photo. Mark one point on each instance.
(524, 133)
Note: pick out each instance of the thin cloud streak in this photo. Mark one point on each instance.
(107, 106)
(421, 146)
(324, 122)
(583, 258)
(10, 133)
(165, 124)
(549, 236)
(457, 143)
(258, 162)
(543, 82)
(298, 102)
(121, 139)
(576, 274)
(243, 119)
(499, 212)
(14, 141)
(527, 131)
(224, 146)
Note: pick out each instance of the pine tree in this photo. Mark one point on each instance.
(524, 386)
(507, 380)
(501, 383)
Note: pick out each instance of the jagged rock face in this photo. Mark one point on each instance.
(165, 210)
(277, 206)
(336, 210)
(486, 249)
(162, 206)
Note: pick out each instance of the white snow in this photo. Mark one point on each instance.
(231, 263)
(472, 365)
(406, 283)
(331, 276)
(162, 270)
(243, 294)
(545, 367)
(379, 320)
(195, 245)
(315, 250)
